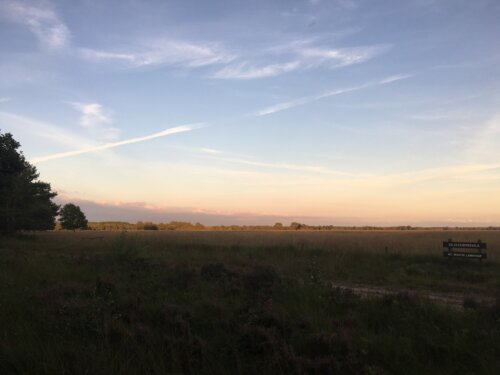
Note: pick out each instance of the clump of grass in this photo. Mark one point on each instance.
(126, 248)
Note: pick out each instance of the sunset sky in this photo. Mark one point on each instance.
(323, 111)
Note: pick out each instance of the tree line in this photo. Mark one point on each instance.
(188, 226)
(26, 203)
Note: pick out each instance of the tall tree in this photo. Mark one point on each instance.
(72, 217)
(25, 201)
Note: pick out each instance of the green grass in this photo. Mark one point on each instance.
(134, 304)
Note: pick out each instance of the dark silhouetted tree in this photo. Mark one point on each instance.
(25, 202)
(72, 217)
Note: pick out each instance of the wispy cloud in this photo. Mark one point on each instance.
(5, 100)
(164, 133)
(163, 51)
(305, 100)
(296, 55)
(40, 18)
(447, 173)
(98, 56)
(243, 71)
(42, 129)
(299, 55)
(463, 172)
(95, 118)
(338, 57)
(229, 157)
(58, 135)
(92, 114)
(347, 4)
(393, 78)
(288, 166)
(211, 151)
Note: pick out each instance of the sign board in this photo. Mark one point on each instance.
(479, 246)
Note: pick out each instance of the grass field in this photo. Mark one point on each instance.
(244, 302)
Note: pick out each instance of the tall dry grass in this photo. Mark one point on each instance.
(414, 242)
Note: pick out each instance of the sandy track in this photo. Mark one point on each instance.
(453, 300)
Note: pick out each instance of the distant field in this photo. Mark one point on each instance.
(406, 242)
(244, 302)
(397, 258)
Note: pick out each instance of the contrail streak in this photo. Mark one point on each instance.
(301, 101)
(164, 133)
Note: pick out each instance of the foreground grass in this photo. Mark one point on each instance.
(131, 304)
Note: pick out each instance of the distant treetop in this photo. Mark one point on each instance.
(72, 217)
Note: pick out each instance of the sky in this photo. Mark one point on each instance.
(345, 112)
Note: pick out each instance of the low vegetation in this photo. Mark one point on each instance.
(188, 226)
(217, 302)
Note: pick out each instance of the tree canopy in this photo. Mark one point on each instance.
(72, 217)
(25, 201)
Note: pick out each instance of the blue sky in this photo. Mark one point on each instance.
(331, 111)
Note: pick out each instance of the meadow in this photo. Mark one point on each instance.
(212, 302)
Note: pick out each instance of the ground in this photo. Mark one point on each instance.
(247, 302)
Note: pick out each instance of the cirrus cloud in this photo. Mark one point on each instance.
(163, 51)
(96, 119)
(300, 55)
(40, 18)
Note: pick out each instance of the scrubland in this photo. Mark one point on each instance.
(245, 302)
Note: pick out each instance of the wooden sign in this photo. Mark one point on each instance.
(479, 246)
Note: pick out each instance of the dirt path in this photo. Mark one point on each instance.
(454, 300)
